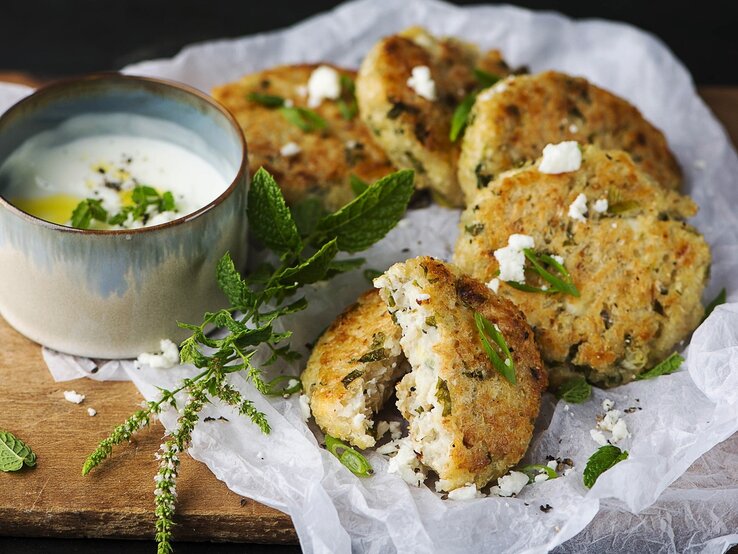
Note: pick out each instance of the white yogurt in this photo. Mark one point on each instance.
(50, 173)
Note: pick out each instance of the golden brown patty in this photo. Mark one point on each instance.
(352, 370)
(640, 268)
(512, 122)
(413, 130)
(326, 159)
(466, 421)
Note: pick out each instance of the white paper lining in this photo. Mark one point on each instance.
(334, 511)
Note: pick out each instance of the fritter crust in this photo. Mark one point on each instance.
(488, 421)
(327, 158)
(352, 370)
(640, 268)
(511, 122)
(413, 130)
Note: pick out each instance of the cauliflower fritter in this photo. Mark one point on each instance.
(512, 121)
(467, 422)
(305, 164)
(639, 267)
(412, 123)
(352, 370)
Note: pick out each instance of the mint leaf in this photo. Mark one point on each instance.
(371, 274)
(268, 100)
(603, 459)
(306, 214)
(719, 299)
(666, 367)
(574, 391)
(371, 215)
(231, 283)
(307, 120)
(313, 269)
(269, 218)
(461, 116)
(14, 453)
(355, 462)
(358, 185)
(87, 210)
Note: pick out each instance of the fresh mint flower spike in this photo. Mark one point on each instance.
(275, 386)
(489, 334)
(352, 459)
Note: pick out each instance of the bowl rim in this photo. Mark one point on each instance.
(114, 76)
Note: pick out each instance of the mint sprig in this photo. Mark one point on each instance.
(603, 459)
(14, 453)
(247, 325)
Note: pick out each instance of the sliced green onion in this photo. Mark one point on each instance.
(355, 462)
(485, 78)
(489, 334)
(461, 116)
(268, 100)
(305, 119)
(563, 284)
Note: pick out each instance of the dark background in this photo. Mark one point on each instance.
(57, 37)
(49, 38)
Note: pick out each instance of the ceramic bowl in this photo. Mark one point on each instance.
(115, 294)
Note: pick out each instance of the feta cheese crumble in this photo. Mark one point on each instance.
(469, 492)
(290, 149)
(510, 484)
(601, 205)
(324, 84)
(304, 407)
(608, 404)
(561, 158)
(406, 464)
(422, 82)
(558, 258)
(512, 259)
(578, 208)
(494, 285)
(73, 396)
(92, 412)
(167, 358)
(598, 437)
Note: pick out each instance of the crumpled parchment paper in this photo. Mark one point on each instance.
(678, 490)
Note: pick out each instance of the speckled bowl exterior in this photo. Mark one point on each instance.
(115, 294)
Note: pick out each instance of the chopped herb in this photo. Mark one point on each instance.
(146, 202)
(351, 377)
(476, 374)
(719, 299)
(461, 116)
(666, 367)
(268, 100)
(375, 355)
(444, 396)
(485, 78)
(624, 206)
(474, 229)
(304, 118)
(490, 334)
(347, 103)
(14, 453)
(603, 459)
(534, 469)
(563, 284)
(355, 462)
(430, 321)
(275, 388)
(574, 391)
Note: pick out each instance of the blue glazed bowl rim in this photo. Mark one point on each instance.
(114, 77)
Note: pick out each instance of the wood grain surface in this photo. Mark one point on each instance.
(116, 500)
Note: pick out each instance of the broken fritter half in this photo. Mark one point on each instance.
(467, 422)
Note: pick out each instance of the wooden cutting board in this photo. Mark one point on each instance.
(116, 500)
